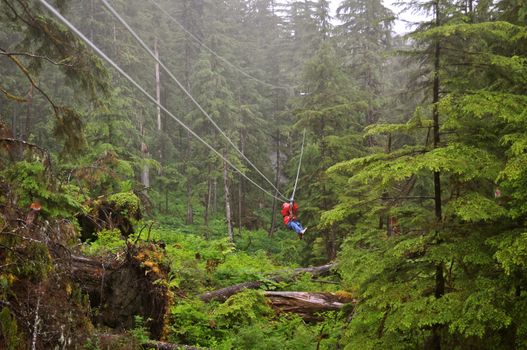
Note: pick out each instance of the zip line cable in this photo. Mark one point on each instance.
(150, 97)
(143, 44)
(299, 164)
(287, 88)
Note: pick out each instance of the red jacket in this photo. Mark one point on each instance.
(288, 212)
(288, 218)
(286, 209)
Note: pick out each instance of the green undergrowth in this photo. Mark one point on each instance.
(245, 321)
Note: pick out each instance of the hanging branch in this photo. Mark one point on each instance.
(30, 78)
(11, 96)
(33, 55)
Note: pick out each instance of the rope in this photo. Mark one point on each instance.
(287, 88)
(299, 164)
(150, 97)
(143, 44)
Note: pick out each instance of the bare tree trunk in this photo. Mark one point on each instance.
(27, 129)
(36, 322)
(145, 173)
(190, 210)
(208, 202)
(241, 198)
(215, 196)
(276, 180)
(240, 190)
(14, 122)
(158, 87)
(228, 215)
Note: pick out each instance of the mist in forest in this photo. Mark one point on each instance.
(262, 174)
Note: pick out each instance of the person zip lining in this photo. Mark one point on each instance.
(290, 209)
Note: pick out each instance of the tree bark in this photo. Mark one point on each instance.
(439, 274)
(241, 197)
(276, 180)
(307, 304)
(158, 87)
(145, 173)
(189, 220)
(228, 215)
(208, 201)
(279, 276)
(27, 129)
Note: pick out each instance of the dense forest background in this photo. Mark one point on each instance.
(116, 220)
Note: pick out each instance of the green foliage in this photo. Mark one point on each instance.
(240, 267)
(192, 323)
(108, 241)
(126, 202)
(284, 333)
(9, 335)
(476, 207)
(511, 252)
(31, 182)
(38, 264)
(242, 308)
(140, 331)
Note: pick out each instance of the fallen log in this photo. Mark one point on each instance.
(125, 341)
(279, 276)
(307, 304)
(159, 345)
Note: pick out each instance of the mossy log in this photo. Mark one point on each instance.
(279, 276)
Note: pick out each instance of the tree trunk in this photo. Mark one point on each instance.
(228, 215)
(215, 195)
(27, 129)
(439, 273)
(158, 87)
(189, 219)
(14, 122)
(276, 180)
(190, 210)
(208, 197)
(241, 197)
(279, 276)
(145, 173)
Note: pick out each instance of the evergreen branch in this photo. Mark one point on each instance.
(406, 197)
(11, 96)
(31, 80)
(29, 54)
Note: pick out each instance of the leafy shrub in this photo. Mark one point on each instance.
(108, 241)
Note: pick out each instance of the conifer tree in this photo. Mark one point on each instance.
(432, 281)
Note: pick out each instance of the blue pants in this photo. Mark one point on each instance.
(295, 226)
